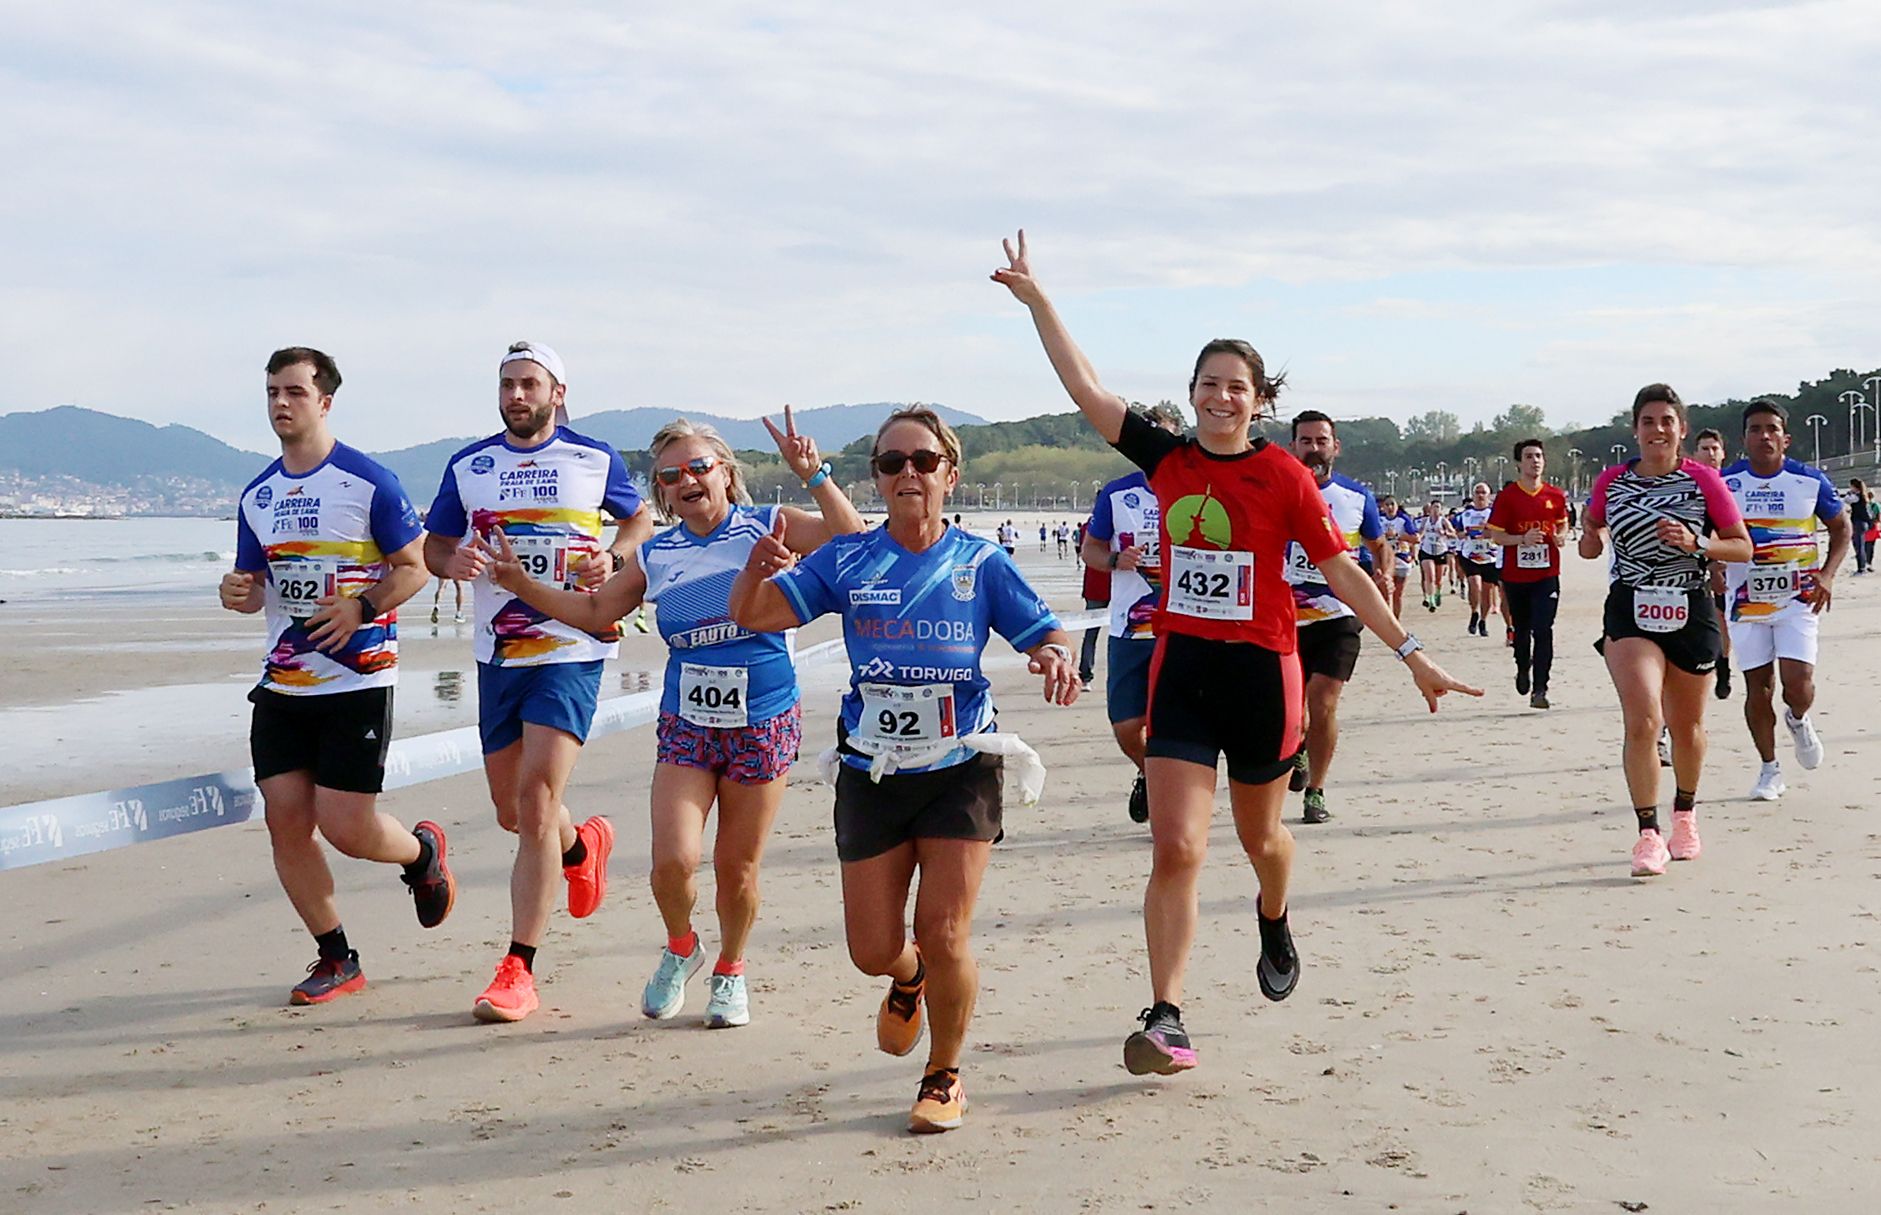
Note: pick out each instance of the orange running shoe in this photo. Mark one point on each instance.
(941, 1104)
(899, 1023)
(511, 996)
(587, 882)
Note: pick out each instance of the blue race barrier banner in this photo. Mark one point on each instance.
(65, 827)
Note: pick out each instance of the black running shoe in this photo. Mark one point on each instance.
(434, 891)
(1139, 801)
(1161, 1047)
(1539, 700)
(1278, 970)
(1313, 807)
(1521, 681)
(1297, 781)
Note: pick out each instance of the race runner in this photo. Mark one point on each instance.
(1122, 539)
(1529, 522)
(1480, 557)
(1665, 516)
(327, 543)
(1226, 678)
(1434, 538)
(730, 718)
(1328, 632)
(1709, 450)
(1777, 599)
(1397, 534)
(545, 487)
(919, 756)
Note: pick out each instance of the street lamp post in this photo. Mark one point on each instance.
(1574, 473)
(1816, 423)
(1856, 404)
(1873, 385)
(998, 488)
(1501, 463)
(1619, 452)
(1441, 467)
(1391, 481)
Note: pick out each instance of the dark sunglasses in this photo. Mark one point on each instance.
(674, 474)
(890, 463)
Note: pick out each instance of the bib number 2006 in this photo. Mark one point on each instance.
(1211, 585)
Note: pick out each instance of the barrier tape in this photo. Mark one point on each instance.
(60, 828)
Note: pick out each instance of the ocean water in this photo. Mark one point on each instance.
(62, 559)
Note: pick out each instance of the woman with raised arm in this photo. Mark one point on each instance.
(1225, 680)
(1666, 517)
(918, 750)
(730, 721)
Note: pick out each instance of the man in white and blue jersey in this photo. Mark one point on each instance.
(1778, 596)
(1123, 537)
(327, 544)
(538, 680)
(1328, 631)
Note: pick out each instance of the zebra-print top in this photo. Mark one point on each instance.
(1630, 506)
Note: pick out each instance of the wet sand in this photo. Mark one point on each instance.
(1493, 1015)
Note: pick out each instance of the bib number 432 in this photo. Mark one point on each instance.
(1211, 585)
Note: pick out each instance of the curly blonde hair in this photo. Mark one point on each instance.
(683, 428)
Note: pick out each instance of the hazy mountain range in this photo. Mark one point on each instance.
(108, 450)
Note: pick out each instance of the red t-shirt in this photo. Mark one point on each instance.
(1226, 524)
(1516, 511)
(1096, 582)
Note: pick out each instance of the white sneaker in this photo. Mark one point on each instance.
(1808, 742)
(728, 1005)
(1769, 784)
(1665, 748)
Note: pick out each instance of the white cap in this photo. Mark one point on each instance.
(550, 362)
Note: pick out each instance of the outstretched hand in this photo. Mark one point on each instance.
(1062, 684)
(1433, 681)
(1016, 277)
(799, 451)
(504, 567)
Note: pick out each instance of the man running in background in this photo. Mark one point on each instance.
(538, 680)
(1480, 556)
(1776, 598)
(1123, 540)
(1328, 632)
(1529, 523)
(1398, 536)
(1096, 598)
(1709, 446)
(328, 545)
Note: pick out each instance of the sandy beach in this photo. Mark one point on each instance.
(1493, 1016)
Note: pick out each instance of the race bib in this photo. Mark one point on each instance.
(544, 558)
(1532, 556)
(1300, 567)
(1661, 609)
(1479, 551)
(1211, 585)
(714, 696)
(1774, 583)
(301, 584)
(901, 720)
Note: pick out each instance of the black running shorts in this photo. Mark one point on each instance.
(1210, 699)
(1486, 570)
(1330, 648)
(1695, 648)
(340, 737)
(957, 803)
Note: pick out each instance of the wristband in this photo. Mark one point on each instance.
(369, 608)
(821, 475)
(1063, 652)
(1700, 542)
(1411, 646)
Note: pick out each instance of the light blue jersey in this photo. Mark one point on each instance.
(915, 625)
(717, 674)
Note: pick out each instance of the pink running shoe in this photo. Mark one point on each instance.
(1685, 842)
(1650, 855)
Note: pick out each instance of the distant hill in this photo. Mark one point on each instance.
(105, 449)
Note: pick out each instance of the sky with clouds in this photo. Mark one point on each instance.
(1430, 204)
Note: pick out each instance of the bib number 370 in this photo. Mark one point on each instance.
(1211, 585)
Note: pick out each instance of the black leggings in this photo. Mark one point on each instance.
(1531, 609)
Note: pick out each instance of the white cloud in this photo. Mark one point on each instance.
(722, 207)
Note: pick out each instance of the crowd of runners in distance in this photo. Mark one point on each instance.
(1234, 571)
